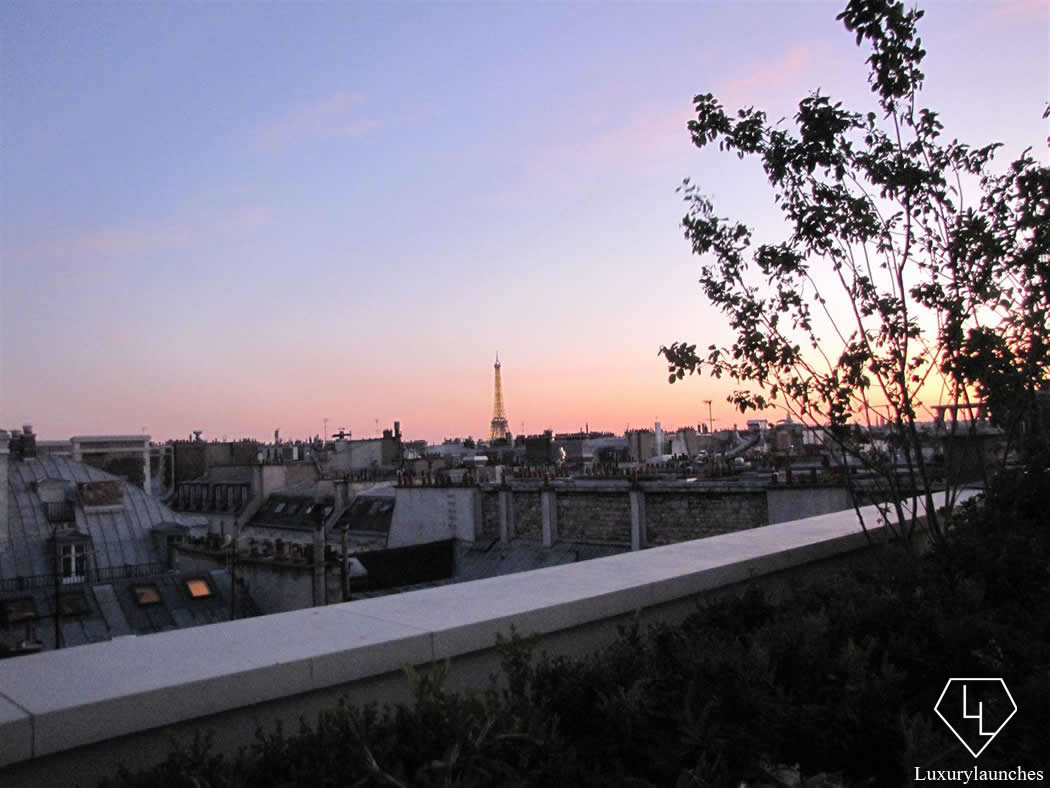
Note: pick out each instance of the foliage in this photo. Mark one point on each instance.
(128, 467)
(834, 681)
(931, 288)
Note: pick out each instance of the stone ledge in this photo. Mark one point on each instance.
(16, 732)
(59, 700)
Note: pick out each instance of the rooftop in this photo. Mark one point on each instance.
(120, 534)
(59, 700)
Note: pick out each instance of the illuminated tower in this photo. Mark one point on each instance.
(498, 431)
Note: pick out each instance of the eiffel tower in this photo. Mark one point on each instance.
(498, 431)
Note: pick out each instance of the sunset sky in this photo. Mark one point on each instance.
(234, 216)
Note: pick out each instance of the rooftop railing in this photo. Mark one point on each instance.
(104, 575)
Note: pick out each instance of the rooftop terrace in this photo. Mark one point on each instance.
(80, 711)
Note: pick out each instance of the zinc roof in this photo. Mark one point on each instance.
(119, 535)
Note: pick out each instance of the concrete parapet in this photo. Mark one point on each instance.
(549, 515)
(639, 523)
(506, 516)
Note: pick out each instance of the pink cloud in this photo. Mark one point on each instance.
(650, 133)
(140, 239)
(1020, 9)
(768, 79)
(335, 116)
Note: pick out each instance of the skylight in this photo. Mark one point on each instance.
(146, 594)
(199, 588)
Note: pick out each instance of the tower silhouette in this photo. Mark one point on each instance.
(498, 431)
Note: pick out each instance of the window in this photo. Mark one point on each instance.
(292, 508)
(60, 512)
(73, 604)
(198, 588)
(278, 508)
(74, 563)
(146, 594)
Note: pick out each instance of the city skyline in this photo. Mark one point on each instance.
(234, 218)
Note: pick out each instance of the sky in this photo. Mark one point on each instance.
(234, 217)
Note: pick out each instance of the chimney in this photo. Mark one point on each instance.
(16, 445)
(4, 532)
(28, 441)
(256, 487)
(341, 493)
(397, 429)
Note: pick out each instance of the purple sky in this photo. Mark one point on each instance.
(239, 216)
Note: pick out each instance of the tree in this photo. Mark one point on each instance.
(936, 290)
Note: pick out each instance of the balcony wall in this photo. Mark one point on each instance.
(72, 715)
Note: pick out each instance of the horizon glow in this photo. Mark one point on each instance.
(238, 217)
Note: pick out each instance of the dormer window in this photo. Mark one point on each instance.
(60, 513)
(74, 563)
(102, 494)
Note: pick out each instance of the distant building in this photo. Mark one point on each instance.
(305, 547)
(452, 452)
(192, 458)
(641, 444)
(225, 494)
(787, 436)
(376, 455)
(220, 494)
(685, 442)
(539, 449)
